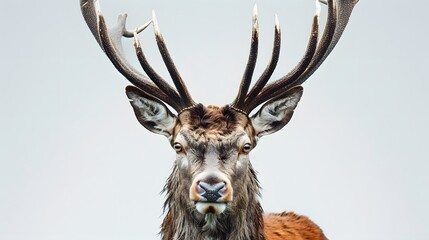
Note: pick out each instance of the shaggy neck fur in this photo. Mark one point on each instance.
(241, 221)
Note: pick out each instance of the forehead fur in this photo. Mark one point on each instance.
(213, 120)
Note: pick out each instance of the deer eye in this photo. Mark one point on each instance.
(247, 147)
(177, 147)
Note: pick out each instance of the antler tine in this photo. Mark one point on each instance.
(111, 50)
(138, 30)
(152, 74)
(343, 10)
(279, 84)
(91, 10)
(266, 75)
(322, 48)
(332, 33)
(251, 63)
(186, 98)
(111, 43)
(328, 35)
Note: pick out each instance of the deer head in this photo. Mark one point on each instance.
(213, 183)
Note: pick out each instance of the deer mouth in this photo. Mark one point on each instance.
(215, 208)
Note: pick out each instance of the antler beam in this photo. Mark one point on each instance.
(179, 98)
(110, 41)
(339, 12)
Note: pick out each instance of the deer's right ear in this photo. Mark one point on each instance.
(151, 113)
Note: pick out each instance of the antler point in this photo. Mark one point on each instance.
(255, 24)
(255, 13)
(277, 22)
(155, 24)
(154, 20)
(318, 7)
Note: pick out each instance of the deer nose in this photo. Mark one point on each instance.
(211, 192)
(211, 189)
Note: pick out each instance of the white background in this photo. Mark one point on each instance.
(75, 163)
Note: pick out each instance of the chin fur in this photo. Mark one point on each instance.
(212, 213)
(211, 222)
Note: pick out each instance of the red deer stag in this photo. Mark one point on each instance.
(212, 192)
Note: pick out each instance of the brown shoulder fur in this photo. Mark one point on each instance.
(290, 226)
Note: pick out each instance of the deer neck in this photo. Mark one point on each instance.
(242, 220)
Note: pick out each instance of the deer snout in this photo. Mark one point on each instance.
(211, 189)
(211, 192)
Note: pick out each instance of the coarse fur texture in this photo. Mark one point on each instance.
(212, 192)
(243, 217)
(241, 220)
(288, 225)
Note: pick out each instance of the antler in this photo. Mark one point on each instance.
(339, 12)
(110, 41)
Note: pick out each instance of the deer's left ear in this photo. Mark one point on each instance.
(276, 113)
(151, 113)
